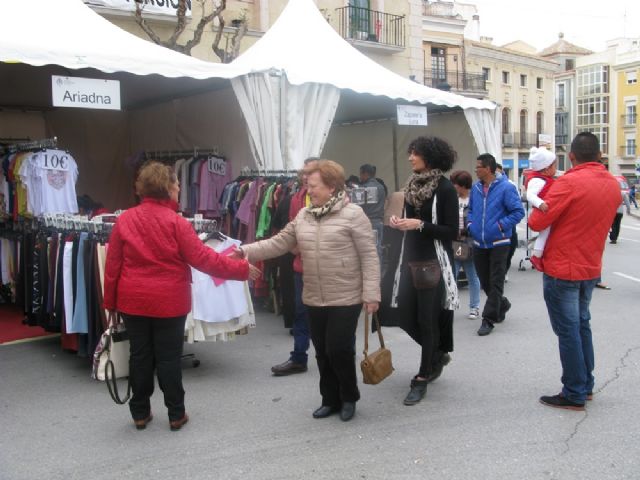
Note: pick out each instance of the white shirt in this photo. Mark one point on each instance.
(220, 303)
(50, 177)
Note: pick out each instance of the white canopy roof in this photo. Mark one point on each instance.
(303, 44)
(70, 34)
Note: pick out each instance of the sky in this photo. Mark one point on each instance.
(586, 23)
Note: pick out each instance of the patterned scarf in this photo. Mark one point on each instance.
(322, 210)
(420, 187)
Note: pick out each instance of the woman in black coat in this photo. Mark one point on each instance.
(425, 314)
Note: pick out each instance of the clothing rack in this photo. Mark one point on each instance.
(32, 145)
(247, 172)
(176, 154)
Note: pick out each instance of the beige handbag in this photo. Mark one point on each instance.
(376, 366)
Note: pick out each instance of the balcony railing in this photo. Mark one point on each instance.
(519, 140)
(455, 81)
(628, 151)
(629, 119)
(358, 23)
(444, 9)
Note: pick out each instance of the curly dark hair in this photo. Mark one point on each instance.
(435, 152)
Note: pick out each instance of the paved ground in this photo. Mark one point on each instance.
(481, 419)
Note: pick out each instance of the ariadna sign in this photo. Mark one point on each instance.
(162, 7)
(78, 92)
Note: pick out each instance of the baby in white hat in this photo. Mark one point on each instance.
(544, 166)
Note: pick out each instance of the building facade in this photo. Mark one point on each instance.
(522, 84)
(381, 30)
(445, 25)
(625, 73)
(565, 55)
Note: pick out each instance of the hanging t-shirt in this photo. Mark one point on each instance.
(51, 179)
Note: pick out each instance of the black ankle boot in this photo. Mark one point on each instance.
(417, 392)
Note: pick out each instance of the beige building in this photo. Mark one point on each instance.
(624, 157)
(565, 55)
(522, 84)
(380, 29)
(445, 25)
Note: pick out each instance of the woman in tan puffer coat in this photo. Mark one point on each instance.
(341, 274)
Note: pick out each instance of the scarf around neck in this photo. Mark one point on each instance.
(420, 187)
(322, 210)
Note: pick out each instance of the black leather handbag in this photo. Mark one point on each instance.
(426, 274)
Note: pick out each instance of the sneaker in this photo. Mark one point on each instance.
(474, 313)
(485, 328)
(558, 401)
(589, 396)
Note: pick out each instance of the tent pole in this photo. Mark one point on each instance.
(283, 121)
(394, 135)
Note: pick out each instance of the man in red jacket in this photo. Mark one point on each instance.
(582, 204)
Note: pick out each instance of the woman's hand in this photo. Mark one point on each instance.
(371, 307)
(237, 254)
(254, 272)
(404, 224)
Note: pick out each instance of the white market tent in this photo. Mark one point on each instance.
(70, 34)
(312, 64)
(288, 85)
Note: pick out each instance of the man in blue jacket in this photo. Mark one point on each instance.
(494, 211)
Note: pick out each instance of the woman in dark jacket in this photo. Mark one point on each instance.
(426, 315)
(148, 280)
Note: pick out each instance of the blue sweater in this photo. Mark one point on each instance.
(493, 217)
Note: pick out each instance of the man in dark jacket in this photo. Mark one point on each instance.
(494, 211)
(374, 210)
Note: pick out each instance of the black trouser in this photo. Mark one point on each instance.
(425, 329)
(155, 343)
(615, 227)
(332, 332)
(491, 267)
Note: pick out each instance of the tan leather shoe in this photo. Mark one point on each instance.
(142, 424)
(177, 424)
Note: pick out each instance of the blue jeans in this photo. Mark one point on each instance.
(472, 276)
(300, 325)
(568, 306)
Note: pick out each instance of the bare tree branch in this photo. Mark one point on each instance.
(143, 24)
(182, 22)
(223, 54)
(237, 38)
(204, 21)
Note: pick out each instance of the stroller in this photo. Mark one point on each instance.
(529, 240)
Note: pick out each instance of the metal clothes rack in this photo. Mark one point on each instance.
(248, 172)
(177, 154)
(32, 145)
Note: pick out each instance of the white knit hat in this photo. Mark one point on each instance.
(540, 158)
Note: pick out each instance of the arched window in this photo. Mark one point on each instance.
(523, 127)
(506, 120)
(539, 122)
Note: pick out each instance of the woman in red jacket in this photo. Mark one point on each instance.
(148, 280)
